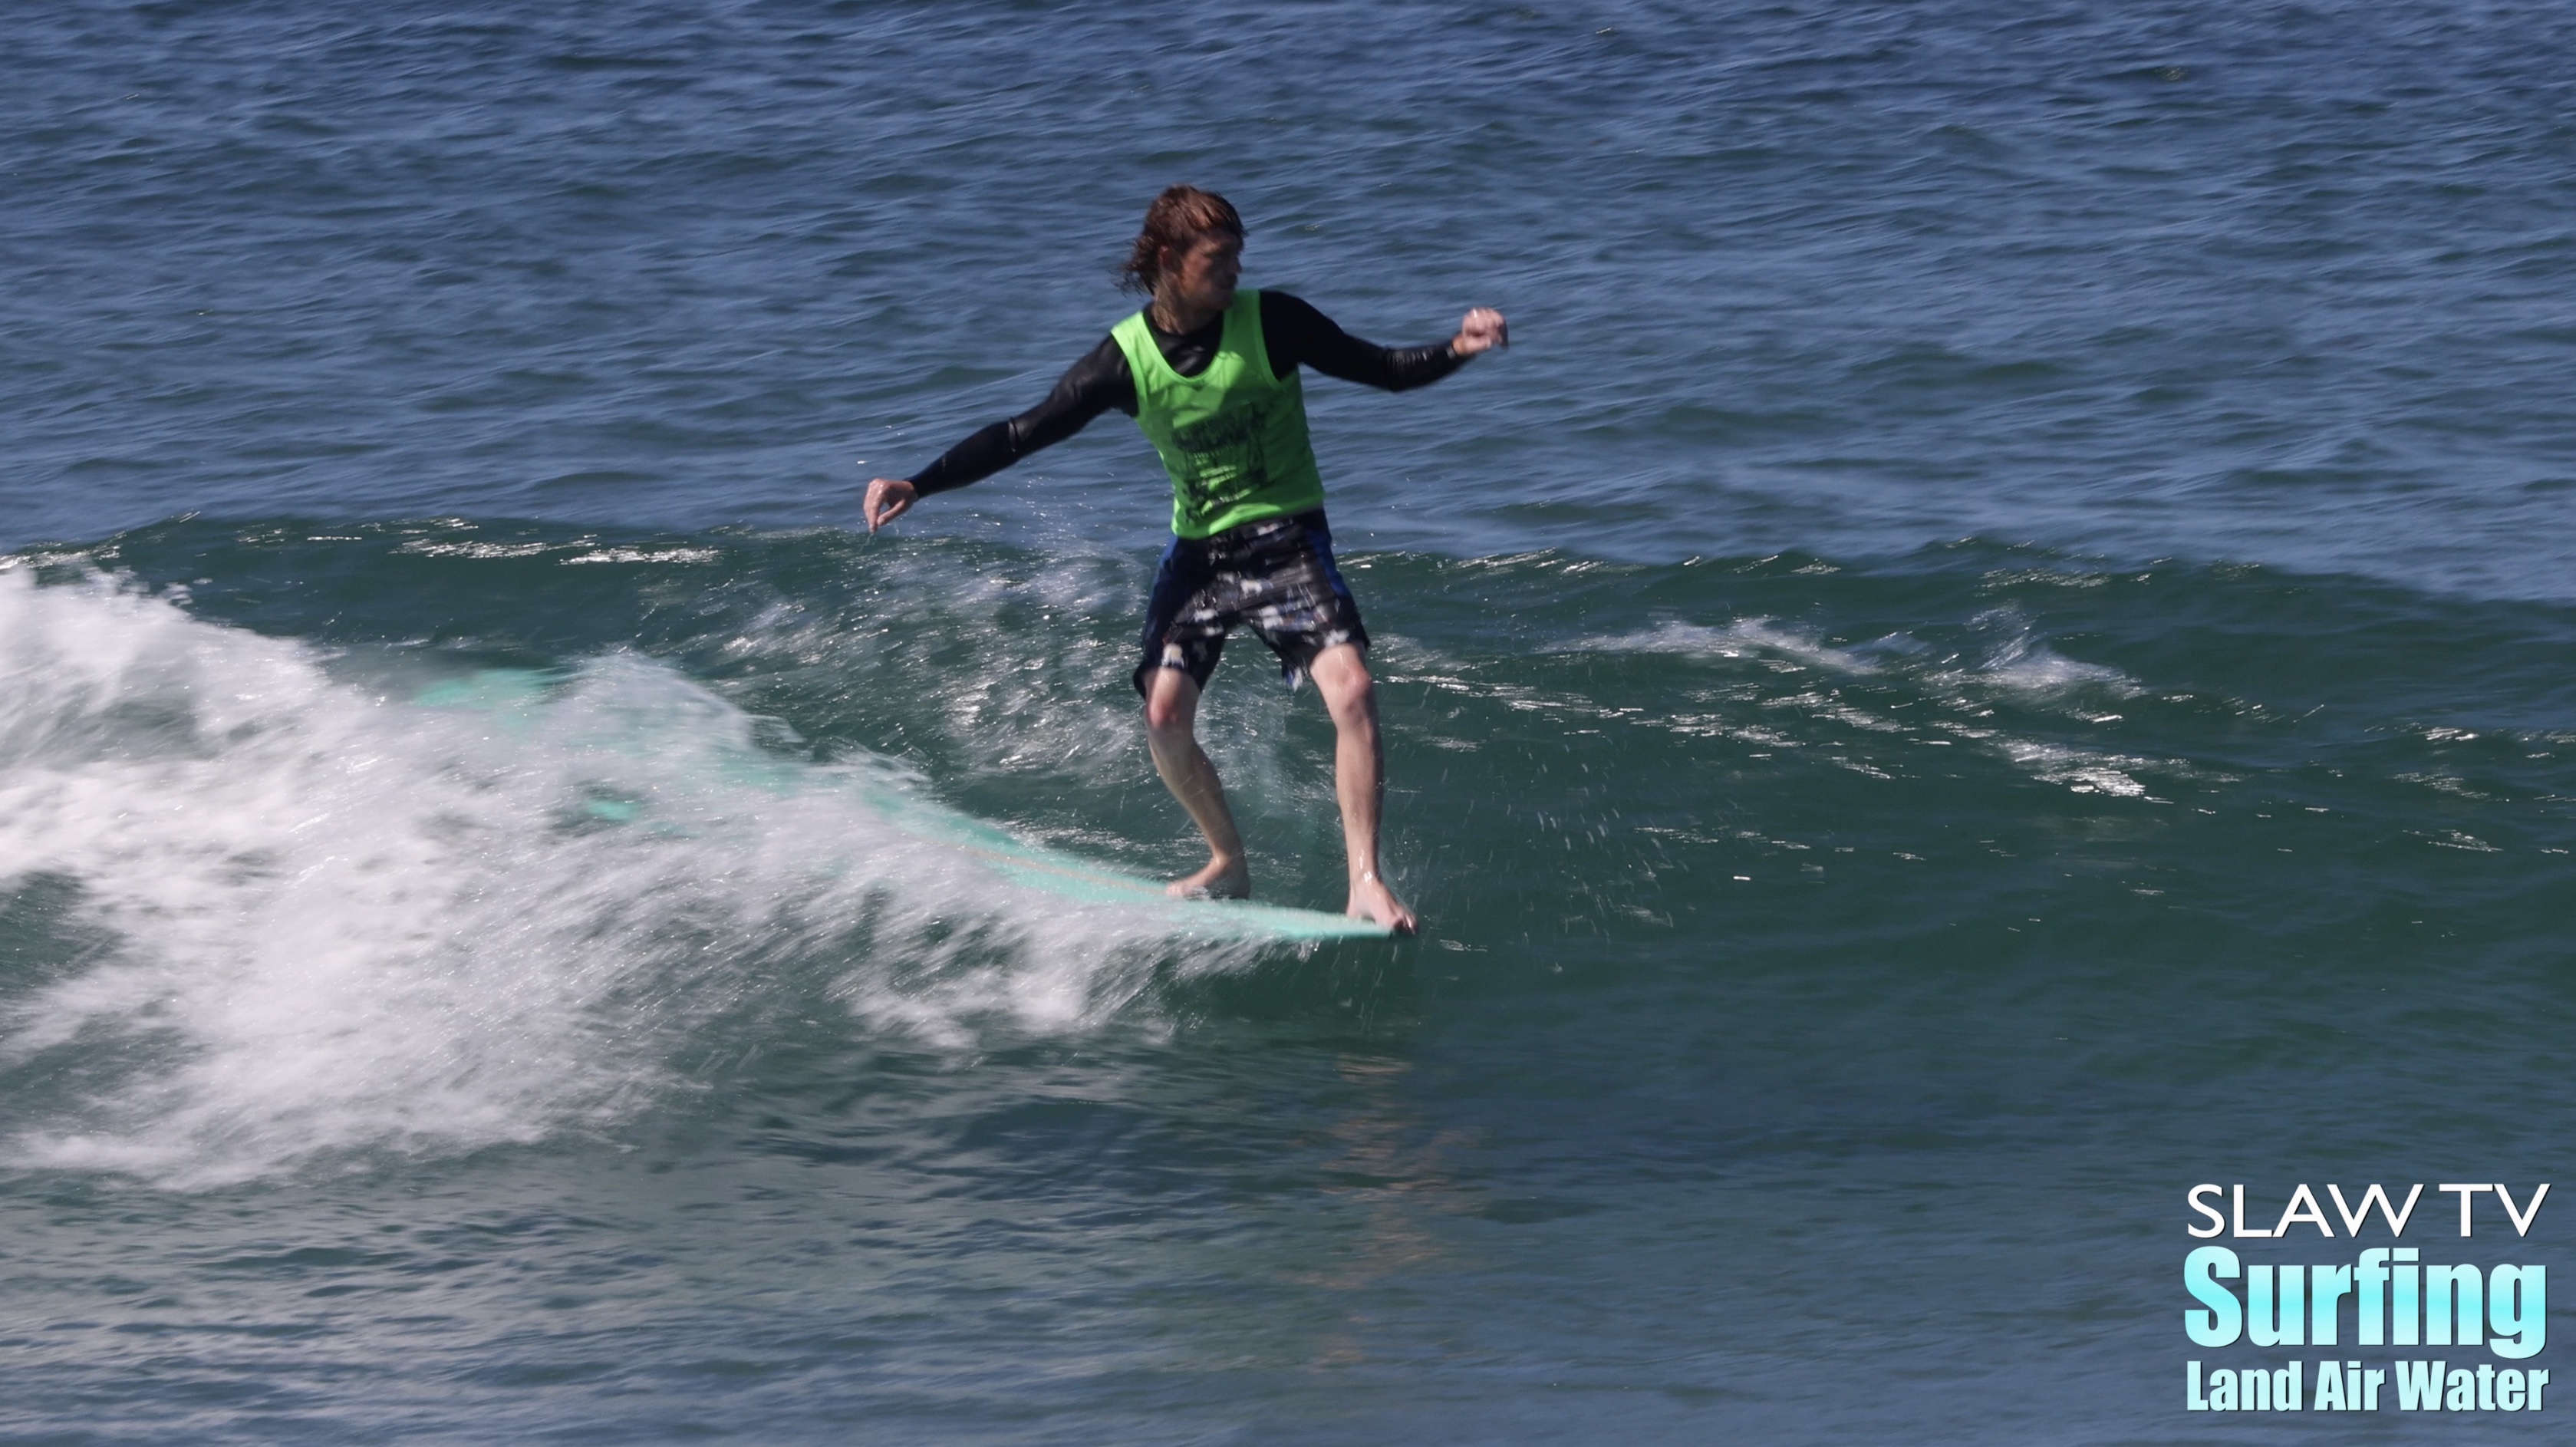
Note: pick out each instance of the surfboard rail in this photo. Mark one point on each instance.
(1017, 861)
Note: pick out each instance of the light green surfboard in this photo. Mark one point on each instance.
(1016, 860)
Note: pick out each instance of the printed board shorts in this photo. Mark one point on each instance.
(1275, 576)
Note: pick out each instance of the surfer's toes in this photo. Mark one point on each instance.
(1378, 905)
(1398, 920)
(1218, 881)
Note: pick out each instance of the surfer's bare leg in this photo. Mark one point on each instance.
(1359, 779)
(1171, 721)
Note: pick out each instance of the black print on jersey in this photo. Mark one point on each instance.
(1222, 460)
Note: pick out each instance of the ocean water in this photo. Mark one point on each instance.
(1996, 650)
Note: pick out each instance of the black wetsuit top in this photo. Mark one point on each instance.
(1294, 334)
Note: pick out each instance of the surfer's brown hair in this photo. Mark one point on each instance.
(1178, 217)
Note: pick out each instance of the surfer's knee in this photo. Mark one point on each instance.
(1342, 677)
(1171, 704)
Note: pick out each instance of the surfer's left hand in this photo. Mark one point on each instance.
(1483, 330)
(888, 498)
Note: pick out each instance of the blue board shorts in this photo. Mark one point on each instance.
(1275, 576)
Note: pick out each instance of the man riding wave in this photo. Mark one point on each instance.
(1211, 375)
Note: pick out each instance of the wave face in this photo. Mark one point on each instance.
(311, 902)
(516, 864)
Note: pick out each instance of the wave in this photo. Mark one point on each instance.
(328, 845)
(322, 905)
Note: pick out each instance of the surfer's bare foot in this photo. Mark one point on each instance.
(1371, 900)
(1222, 879)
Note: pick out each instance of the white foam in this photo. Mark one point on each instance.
(2080, 770)
(646, 555)
(343, 921)
(479, 551)
(2026, 666)
(2021, 664)
(1742, 638)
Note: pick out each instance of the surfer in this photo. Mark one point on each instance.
(1210, 374)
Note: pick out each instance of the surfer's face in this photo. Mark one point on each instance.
(1203, 276)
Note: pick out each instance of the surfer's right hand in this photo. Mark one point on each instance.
(888, 498)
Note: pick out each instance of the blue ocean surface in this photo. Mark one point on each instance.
(1997, 649)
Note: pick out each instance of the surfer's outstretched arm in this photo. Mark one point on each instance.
(1096, 384)
(1296, 334)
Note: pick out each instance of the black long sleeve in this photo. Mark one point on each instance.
(1088, 388)
(1293, 334)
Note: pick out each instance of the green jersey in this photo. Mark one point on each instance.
(1234, 436)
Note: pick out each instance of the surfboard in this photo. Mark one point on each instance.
(1020, 862)
(1072, 877)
